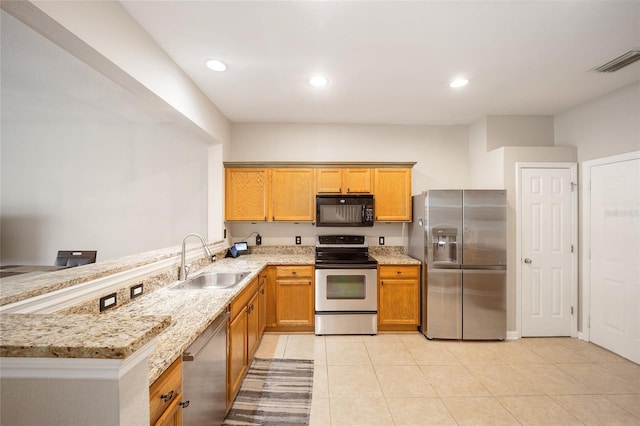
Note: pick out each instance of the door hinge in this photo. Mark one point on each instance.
(572, 310)
(573, 186)
(571, 248)
(588, 322)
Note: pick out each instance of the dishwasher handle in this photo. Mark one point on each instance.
(194, 349)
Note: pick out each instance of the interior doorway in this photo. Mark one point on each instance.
(546, 267)
(612, 251)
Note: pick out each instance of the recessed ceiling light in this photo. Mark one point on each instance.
(458, 82)
(318, 81)
(216, 65)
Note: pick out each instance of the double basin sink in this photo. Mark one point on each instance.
(212, 280)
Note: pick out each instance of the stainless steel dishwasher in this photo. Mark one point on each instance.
(204, 376)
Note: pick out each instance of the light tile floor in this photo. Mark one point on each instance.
(405, 379)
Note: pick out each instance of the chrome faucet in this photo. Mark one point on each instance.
(184, 269)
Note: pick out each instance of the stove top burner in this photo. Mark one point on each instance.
(343, 251)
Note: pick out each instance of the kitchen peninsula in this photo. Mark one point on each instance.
(153, 331)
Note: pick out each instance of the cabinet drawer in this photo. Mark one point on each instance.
(294, 271)
(165, 390)
(241, 300)
(398, 271)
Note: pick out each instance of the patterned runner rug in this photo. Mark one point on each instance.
(274, 392)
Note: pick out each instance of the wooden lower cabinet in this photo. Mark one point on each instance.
(398, 297)
(237, 355)
(294, 297)
(245, 332)
(173, 415)
(165, 396)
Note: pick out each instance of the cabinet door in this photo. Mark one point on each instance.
(246, 194)
(268, 277)
(392, 194)
(262, 308)
(295, 302)
(292, 194)
(357, 181)
(237, 361)
(253, 326)
(399, 302)
(329, 181)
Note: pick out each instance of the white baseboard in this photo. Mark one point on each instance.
(513, 335)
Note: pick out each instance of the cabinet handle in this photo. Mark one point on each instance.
(294, 273)
(381, 282)
(262, 291)
(167, 397)
(185, 404)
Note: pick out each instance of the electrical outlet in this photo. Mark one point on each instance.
(258, 240)
(381, 241)
(298, 240)
(136, 290)
(108, 301)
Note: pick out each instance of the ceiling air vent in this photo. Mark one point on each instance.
(620, 62)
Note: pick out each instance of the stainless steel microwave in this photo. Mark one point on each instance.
(344, 210)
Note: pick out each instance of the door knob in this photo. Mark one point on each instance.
(527, 260)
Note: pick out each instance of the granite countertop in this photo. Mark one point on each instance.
(20, 287)
(192, 311)
(175, 317)
(395, 259)
(77, 336)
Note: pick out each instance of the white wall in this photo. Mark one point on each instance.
(119, 188)
(603, 127)
(439, 151)
(519, 130)
(486, 168)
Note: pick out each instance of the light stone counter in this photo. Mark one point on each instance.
(395, 259)
(77, 336)
(176, 317)
(18, 287)
(192, 311)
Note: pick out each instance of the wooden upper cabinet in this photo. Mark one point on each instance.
(392, 194)
(293, 194)
(246, 193)
(344, 181)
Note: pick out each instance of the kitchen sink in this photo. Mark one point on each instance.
(212, 280)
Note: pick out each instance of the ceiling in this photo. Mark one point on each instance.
(388, 61)
(391, 61)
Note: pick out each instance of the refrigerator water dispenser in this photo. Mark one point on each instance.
(444, 244)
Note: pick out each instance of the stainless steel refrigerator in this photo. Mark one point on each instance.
(460, 236)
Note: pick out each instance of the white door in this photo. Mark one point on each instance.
(615, 257)
(547, 218)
